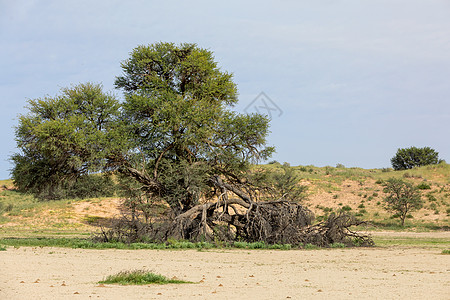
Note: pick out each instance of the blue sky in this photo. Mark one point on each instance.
(355, 80)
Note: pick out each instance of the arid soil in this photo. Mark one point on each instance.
(363, 273)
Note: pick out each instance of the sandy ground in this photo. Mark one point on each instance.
(377, 273)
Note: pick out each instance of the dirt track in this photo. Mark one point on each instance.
(379, 273)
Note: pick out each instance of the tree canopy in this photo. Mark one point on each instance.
(402, 198)
(177, 104)
(408, 158)
(174, 139)
(174, 132)
(64, 137)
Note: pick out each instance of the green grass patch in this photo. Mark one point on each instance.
(139, 277)
(77, 243)
(2, 248)
(411, 241)
(337, 245)
(445, 251)
(310, 247)
(438, 172)
(261, 245)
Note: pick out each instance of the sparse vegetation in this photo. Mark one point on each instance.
(139, 277)
(56, 218)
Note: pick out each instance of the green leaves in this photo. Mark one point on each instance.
(177, 102)
(173, 133)
(408, 158)
(64, 137)
(402, 197)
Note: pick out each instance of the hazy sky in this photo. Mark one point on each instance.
(354, 80)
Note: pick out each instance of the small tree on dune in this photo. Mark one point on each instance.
(402, 198)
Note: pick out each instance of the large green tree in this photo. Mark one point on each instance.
(65, 137)
(174, 139)
(174, 133)
(177, 102)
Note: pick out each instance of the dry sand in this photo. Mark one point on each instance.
(377, 273)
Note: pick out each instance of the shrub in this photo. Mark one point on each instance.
(423, 186)
(327, 209)
(431, 197)
(346, 208)
(139, 277)
(407, 175)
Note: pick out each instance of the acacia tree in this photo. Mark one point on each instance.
(408, 158)
(402, 198)
(184, 135)
(174, 139)
(64, 137)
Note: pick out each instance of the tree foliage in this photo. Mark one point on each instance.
(64, 137)
(177, 103)
(402, 198)
(174, 140)
(408, 158)
(275, 184)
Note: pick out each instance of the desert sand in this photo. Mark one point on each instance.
(361, 273)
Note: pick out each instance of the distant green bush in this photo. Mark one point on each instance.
(431, 197)
(423, 186)
(408, 158)
(346, 208)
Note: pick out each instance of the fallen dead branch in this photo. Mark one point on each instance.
(276, 222)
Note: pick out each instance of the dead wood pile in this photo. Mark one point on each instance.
(276, 222)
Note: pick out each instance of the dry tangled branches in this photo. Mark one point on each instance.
(276, 222)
